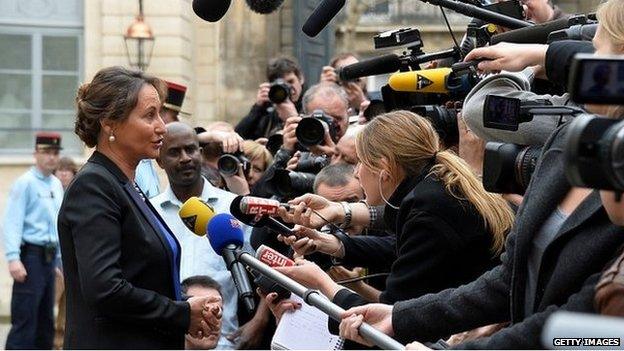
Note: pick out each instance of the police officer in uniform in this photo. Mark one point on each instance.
(31, 247)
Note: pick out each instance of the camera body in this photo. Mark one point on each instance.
(279, 91)
(311, 129)
(228, 164)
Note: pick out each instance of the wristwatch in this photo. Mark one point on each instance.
(348, 215)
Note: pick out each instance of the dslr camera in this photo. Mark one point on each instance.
(594, 152)
(311, 129)
(228, 164)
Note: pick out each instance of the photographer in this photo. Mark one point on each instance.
(561, 240)
(356, 90)
(267, 117)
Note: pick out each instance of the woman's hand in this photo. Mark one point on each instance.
(278, 308)
(307, 241)
(415, 345)
(376, 314)
(508, 57)
(311, 276)
(205, 315)
(303, 211)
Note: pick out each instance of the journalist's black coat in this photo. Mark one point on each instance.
(570, 269)
(440, 241)
(117, 267)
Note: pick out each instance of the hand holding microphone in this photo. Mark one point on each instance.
(312, 211)
(508, 57)
(307, 241)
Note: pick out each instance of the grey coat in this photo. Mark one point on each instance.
(516, 85)
(570, 269)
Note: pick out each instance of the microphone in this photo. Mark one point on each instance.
(258, 221)
(211, 10)
(434, 81)
(196, 214)
(251, 205)
(273, 258)
(264, 7)
(225, 234)
(321, 16)
(378, 65)
(480, 13)
(537, 34)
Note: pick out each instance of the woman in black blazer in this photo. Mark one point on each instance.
(120, 259)
(446, 229)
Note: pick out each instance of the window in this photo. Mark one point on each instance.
(40, 71)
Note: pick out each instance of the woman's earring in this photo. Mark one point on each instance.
(111, 137)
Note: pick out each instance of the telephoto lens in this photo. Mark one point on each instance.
(279, 91)
(594, 153)
(311, 164)
(274, 143)
(228, 164)
(508, 168)
(444, 121)
(311, 129)
(290, 184)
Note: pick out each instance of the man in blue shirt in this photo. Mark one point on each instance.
(31, 247)
(180, 157)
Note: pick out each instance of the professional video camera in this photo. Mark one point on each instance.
(595, 145)
(443, 119)
(228, 164)
(311, 129)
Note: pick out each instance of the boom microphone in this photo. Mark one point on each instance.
(258, 221)
(226, 237)
(321, 16)
(378, 65)
(480, 13)
(211, 10)
(537, 34)
(196, 214)
(264, 7)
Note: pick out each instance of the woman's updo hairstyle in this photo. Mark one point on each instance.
(112, 94)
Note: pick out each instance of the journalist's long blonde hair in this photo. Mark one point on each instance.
(610, 15)
(409, 141)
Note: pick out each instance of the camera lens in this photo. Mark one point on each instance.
(228, 165)
(508, 168)
(444, 122)
(274, 143)
(312, 164)
(279, 91)
(287, 183)
(310, 132)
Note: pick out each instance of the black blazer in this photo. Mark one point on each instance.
(440, 242)
(569, 271)
(118, 266)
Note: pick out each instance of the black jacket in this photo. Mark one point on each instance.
(559, 58)
(570, 269)
(439, 242)
(260, 122)
(118, 266)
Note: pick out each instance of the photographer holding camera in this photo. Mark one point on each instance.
(561, 240)
(356, 89)
(276, 100)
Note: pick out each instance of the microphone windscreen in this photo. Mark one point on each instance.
(537, 34)
(378, 65)
(264, 7)
(196, 214)
(423, 81)
(321, 16)
(211, 10)
(223, 230)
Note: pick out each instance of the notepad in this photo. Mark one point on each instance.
(305, 329)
